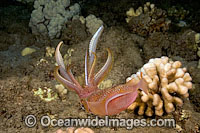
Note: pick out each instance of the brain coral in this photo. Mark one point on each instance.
(167, 82)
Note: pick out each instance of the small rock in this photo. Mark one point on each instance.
(27, 51)
(61, 89)
(178, 128)
(197, 38)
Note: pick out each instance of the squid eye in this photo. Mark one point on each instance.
(82, 106)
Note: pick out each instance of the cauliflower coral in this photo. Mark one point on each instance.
(167, 83)
(49, 16)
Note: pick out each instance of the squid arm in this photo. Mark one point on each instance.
(66, 82)
(72, 77)
(102, 73)
(64, 75)
(93, 44)
(60, 62)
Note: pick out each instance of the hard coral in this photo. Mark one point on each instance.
(147, 19)
(167, 83)
(93, 23)
(49, 16)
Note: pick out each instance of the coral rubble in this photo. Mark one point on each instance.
(178, 13)
(168, 83)
(50, 51)
(147, 19)
(45, 94)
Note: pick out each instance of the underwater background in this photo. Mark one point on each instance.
(135, 32)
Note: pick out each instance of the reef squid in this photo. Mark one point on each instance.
(110, 101)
